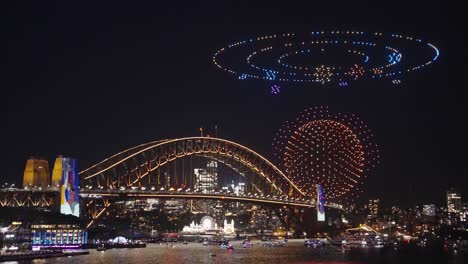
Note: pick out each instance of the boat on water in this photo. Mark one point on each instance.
(278, 243)
(314, 243)
(127, 245)
(338, 241)
(362, 236)
(102, 247)
(74, 252)
(247, 244)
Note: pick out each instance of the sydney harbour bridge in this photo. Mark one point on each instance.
(126, 176)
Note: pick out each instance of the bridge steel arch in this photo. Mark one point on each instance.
(131, 166)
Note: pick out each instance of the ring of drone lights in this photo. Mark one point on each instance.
(368, 56)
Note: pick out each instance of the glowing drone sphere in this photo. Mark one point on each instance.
(324, 57)
(336, 151)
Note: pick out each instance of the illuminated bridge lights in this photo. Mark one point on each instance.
(34, 197)
(275, 57)
(131, 167)
(138, 194)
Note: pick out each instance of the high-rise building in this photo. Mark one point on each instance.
(429, 210)
(239, 189)
(212, 169)
(464, 214)
(454, 204)
(36, 173)
(373, 206)
(207, 179)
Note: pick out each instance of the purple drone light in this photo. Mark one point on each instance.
(275, 89)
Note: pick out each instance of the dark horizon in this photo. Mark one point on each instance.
(87, 81)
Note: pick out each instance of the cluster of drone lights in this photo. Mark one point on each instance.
(323, 74)
(269, 57)
(275, 89)
(356, 72)
(335, 150)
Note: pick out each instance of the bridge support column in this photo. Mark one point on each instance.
(292, 219)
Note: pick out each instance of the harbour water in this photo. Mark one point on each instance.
(294, 251)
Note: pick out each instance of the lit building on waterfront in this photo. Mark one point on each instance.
(28, 227)
(14, 235)
(36, 173)
(58, 235)
(208, 226)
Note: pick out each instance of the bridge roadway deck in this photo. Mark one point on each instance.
(140, 194)
(190, 195)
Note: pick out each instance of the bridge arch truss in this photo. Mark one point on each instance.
(130, 167)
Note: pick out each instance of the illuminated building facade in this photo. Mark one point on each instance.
(36, 173)
(28, 227)
(239, 189)
(464, 214)
(207, 179)
(209, 226)
(454, 204)
(58, 236)
(373, 207)
(429, 210)
(13, 235)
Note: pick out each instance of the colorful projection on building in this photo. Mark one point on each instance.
(320, 203)
(69, 202)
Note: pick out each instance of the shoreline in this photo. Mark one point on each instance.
(41, 255)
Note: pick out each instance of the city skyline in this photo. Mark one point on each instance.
(87, 82)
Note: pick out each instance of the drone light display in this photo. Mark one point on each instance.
(323, 57)
(275, 89)
(336, 151)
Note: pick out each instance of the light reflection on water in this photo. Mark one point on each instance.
(293, 252)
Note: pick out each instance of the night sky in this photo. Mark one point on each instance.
(88, 80)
